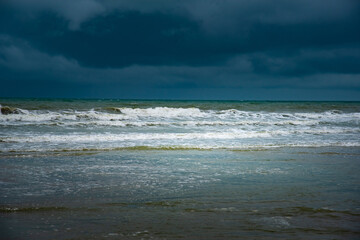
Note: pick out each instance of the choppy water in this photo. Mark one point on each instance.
(108, 169)
(68, 125)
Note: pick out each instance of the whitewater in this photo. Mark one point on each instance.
(74, 125)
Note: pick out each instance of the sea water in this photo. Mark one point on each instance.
(115, 169)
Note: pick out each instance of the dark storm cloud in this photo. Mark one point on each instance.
(181, 44)
(115, 37)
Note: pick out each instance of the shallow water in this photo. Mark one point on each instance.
(108, 169)
(297, 193)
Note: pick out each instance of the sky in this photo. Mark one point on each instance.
(181, 49)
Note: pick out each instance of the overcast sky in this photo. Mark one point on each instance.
(181, 49)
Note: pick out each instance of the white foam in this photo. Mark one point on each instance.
(108, 137)
(174, 116)
(164, 126)
(163, 112)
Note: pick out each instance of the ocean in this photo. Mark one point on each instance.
(131, 169)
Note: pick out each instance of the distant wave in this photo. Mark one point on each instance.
(172, 116)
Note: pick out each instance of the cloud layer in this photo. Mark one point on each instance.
(181, 49)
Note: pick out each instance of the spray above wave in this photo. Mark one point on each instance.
(163, 112)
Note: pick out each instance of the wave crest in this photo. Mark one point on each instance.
(170, 116)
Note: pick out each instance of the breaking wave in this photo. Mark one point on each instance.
(123, 117)
(167, 128)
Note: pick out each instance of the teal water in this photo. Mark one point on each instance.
(109, 169)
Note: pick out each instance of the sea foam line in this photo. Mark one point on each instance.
(132, 136)
(184, 147)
